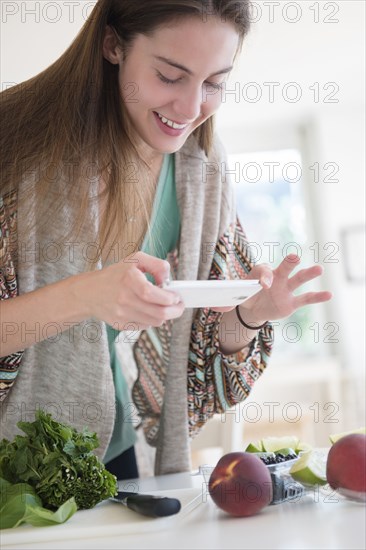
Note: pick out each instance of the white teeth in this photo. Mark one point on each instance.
(171, 123)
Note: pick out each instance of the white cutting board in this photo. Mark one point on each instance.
(105, 520)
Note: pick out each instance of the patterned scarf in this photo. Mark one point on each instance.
(9, 365)
(214, 382)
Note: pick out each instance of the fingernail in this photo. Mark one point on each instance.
(267, 281)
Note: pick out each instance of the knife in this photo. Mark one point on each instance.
(285, 488)
(149, 505)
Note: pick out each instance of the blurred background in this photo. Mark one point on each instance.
(293, 122)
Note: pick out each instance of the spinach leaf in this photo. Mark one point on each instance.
(20, 504)
(40, 517)
(13, 502)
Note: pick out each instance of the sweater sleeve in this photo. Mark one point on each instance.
(216, 381)
(9, 365)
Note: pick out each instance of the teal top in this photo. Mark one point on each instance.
(165, 221)
(159, 240)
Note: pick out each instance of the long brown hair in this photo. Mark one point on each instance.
(70, 119)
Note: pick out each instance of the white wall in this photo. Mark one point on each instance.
(338, 207)
(35, 33)
(304, 53)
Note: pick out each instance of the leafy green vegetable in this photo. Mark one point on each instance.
(20, 504)
(58, 463)
(40, 517)
(14, 499)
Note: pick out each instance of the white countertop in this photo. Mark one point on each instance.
(318, 520)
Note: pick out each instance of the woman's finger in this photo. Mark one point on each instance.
(263, 273)
(158, 268)
(156, 296)
(312, 298)
(287, 265)
(143, 290)
(144, 315)
(304, 276)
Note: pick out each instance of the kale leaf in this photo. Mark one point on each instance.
(58, 462)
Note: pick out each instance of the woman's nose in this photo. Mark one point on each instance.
(188, 105)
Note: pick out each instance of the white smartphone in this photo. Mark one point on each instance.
(213, 293)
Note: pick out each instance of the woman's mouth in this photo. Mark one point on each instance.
(168, 126)
(171, 123)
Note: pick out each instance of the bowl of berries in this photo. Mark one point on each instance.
(278, 453)
(283, 459)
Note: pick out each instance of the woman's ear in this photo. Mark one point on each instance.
(111, 49)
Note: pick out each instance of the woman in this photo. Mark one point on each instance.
(108, 163)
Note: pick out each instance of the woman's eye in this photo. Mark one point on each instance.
(167, 80)
(215, 85)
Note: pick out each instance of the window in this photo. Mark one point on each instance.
(271, 207)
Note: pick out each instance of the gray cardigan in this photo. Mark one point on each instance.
(70, 375)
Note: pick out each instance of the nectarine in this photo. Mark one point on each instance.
(240, 484)
(346, 463)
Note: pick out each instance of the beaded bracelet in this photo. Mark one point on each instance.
(245, 324)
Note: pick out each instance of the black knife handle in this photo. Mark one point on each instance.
(154, 506)
(284, 488)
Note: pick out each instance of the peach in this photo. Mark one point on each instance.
(240, 484)
(346, 463)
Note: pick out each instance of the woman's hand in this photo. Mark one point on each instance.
(276, 299)
(121, 295)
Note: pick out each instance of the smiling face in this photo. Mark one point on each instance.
(170, 81)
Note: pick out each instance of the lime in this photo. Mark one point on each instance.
(286, 451)
(303, 447)
(333, 438)
(310, 469)
(274, 444)
(254, 447)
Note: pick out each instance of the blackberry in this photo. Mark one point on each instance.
(269, 460)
